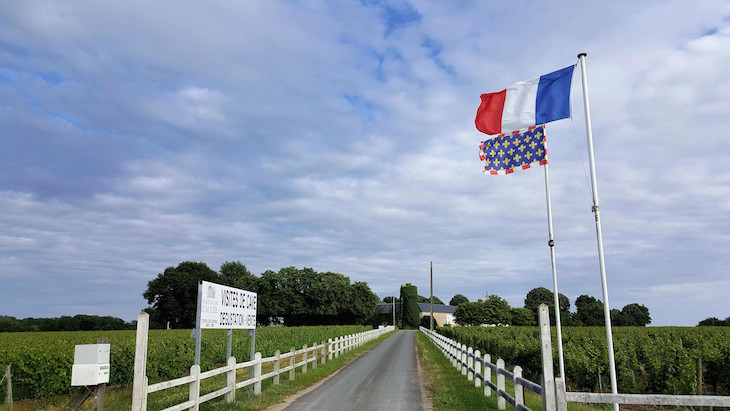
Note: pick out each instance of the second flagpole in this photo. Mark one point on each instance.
(599, 233)
(551, 243)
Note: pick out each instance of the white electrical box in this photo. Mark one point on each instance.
(91, 365)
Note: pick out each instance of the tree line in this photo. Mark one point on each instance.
(65, 323)
(714, 322)
(589, 311)
(291, 296)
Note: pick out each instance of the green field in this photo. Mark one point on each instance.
(41, 361)
(661, 360)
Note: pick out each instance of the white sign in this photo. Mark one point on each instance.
(227, 307)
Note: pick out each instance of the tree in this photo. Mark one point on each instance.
(497, 310)
(436, 300)
(426, 322)
(363, 302)
(409, 298)
(589, 311)
(522, 316)
(636, 315)
(542, 295)
(708, 322)
(458, 299)
(470, 313)
(235, 274)
(618, 319)
(174, 293)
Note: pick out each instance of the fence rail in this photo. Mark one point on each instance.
(553, 392)
(318, 352)
(471, 363)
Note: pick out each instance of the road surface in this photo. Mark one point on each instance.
(384, 378)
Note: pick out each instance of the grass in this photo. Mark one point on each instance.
(120, 398)
(450, 390)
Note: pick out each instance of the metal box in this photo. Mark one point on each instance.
(91, 365)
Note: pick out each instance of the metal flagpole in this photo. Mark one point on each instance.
(599, 234)
(551, 243)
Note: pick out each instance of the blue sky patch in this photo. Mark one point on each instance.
(395, 16)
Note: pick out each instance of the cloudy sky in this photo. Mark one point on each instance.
(340, 136)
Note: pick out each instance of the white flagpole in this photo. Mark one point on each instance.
(599, 234)
(551, 243)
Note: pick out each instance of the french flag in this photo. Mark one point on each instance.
(526, 103)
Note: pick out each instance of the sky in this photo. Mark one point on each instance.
(340, 136)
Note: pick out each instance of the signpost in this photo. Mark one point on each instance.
(223, 307)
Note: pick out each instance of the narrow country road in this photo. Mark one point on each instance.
(384, 378)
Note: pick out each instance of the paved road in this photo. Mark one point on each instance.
(384, 378)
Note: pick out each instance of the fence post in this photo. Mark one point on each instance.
(231, 379)
(323, 353)
(463, 359)
(477, 368)
(277, 366)
(314, 355)
(338, 344)
(139, 384)
(329, 349)
(546, 347)
(304, 367)
(470, 364)
(501, 402)
(195, 387)
(519, 390)
(292, 362)
(9, 379)
(257, 374)
(560, 400)
(487, 375)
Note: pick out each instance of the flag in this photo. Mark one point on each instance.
(505, 153)
(526, 103)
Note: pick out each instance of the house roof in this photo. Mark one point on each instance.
(437, 308)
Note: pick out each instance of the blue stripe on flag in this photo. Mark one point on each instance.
(553, 96)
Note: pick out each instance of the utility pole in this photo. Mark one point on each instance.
(393, 302)
(431, 296)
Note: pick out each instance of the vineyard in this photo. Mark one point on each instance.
(662, 360)
(41, 361)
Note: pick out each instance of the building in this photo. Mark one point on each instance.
(442, 314)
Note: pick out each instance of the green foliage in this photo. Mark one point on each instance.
(426, 322)
(636, 315)
(542, 295)
(409, 298)
(589, 311)
(648, 360)
(76, 323)
(306, 297)
(522, 317)
(471, 313)
(497, 310)
(174, 293)
(293, 296)
(436, 300)
(41, 363)
(714, 322)
(458, 299)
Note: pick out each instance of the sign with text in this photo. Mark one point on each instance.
(227, 307)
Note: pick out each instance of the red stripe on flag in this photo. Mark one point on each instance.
(509, 171)
(489, 113)
(543, 162)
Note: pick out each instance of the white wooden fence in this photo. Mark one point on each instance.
(478, 368)
(552, 390)
(317, 352)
